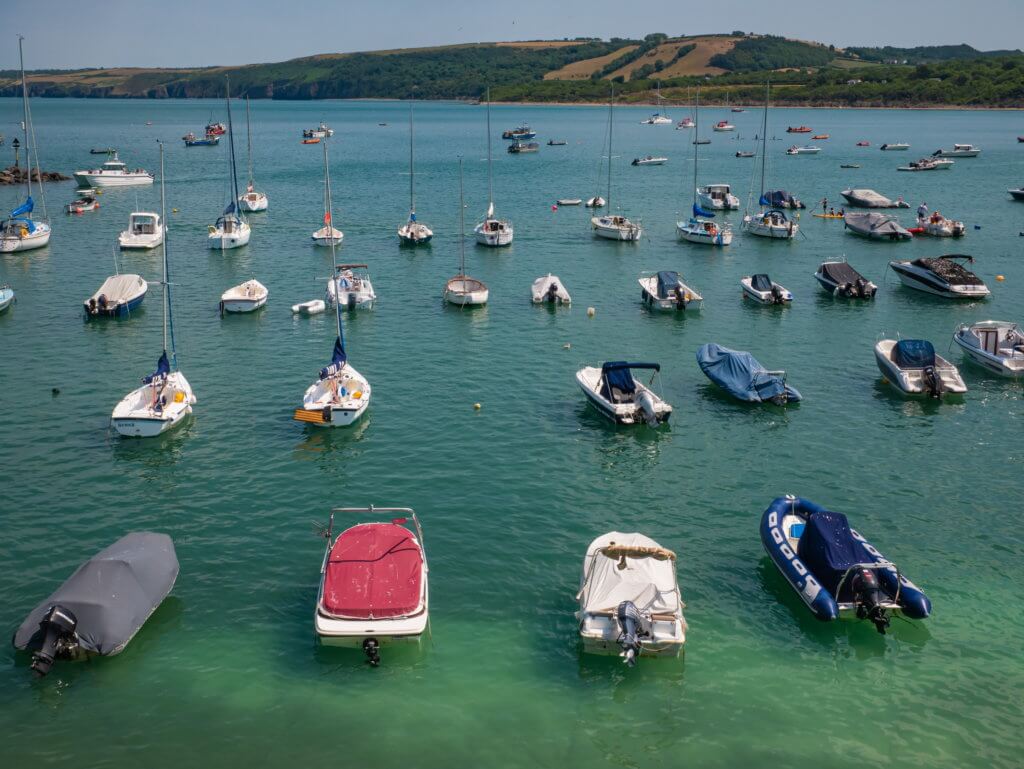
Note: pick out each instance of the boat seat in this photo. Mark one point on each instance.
(618, 396)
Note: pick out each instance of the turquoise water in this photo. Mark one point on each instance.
(227, 671)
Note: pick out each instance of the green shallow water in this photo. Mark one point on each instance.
(227, 671)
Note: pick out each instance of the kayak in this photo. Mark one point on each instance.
(828, 216)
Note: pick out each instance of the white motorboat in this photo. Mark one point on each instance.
(492, 231)
(744, 154)
(864, 198)
(941, 164)
(996, 345)
(1017, 194)
(145, 231)
(413, 232)
(723, 125)
(312, 307)
(840, 279)
(85, 202)
(807, 150)
(764, 290)
(548, 289)
(230, 230)
(6, 297)
(350, 289)
(629, 599)
(666, 291)
(340, 395)
(165, 397)
(251, 200)
(569, 202)
(943, 276)
(700, 228)
(650, 160)
(322, 131)
(245, 297)
(686, 122)
(913, 366)
(616, 227)
(939, 226)
(622, 397)
(373, 583)
(596, 202)
(463, 290)
(657, 119)
(717, 197)
(875, 226)
(118, 296)
(958, 151)
(894, 147)
(113, 173)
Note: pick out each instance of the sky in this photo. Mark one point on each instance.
(65, 34)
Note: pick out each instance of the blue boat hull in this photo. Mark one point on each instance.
(912, 602)
(120, 311)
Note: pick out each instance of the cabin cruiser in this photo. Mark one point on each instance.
(113, 173)
(522, 132)
(117, 297)
(519, 147)
(322, 131)
(764, 290)
(894, 147)
(686, 122)
(939, 226)
(840, 279)
(629, 599)
(875, 226)
(373, 583)
(700, 229)
(996, 345)
(616, 227)
(871, 199)
(145, 230)
(771, 223)
(86, 201)
(657, 119)
(781, 199)
(723, 125)
(548, 289)
(914, 367)
(943, 276)
(717, 197)
(245, 297)
(836, 572)
(808, 150)
(666, 291)
(353, 289)
(743, 377)
(958, 151)
(622, 397)
(650, 160)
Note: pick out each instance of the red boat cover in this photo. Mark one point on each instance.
(375, 571)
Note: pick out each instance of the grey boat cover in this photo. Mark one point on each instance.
(870, 199)
(840, 273)
(954, 273)
(112, 594)
(875, 225)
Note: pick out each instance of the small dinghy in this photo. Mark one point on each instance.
(100, 608)
(764, 290)
(913, 366)
(6, 297)
(245, 297)
(835, 570)
(744, 154)
(548, 289)
(740, 375)
(650, 160)
(622, 397)
(840, 279)
(82, 204)
(373, 583)
(117, 297)
(894, 147)
(666, 291)
(864, 198)
(996, 345)
(876, 226)
(629, 599)
(353, 290)
(596, 202)
(942, 276)
(569, 201)
(312, 307)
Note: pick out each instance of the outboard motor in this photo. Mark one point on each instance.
(845, 289)
(351, 301)
(680, 298)
(932, 381)
(646, 403)
(552, 293)
(861, 289)
(776, 294)
(58, 628)
(632, 626)
(103, 301)
(371, 647)
(868, 596)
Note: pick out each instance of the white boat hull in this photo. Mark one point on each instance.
(415, 234)
(86, 179)
(341, 400)
(313, 307)
(223, 241)
(911, 381)
(695, 232)
(129, 242)
(549, 289)
(604, 227)
(588, 379)
(10, 244)
(253, 202)
(494, 237)
(136, 417)
(1008, 358)
(757, 226)
(328, 236)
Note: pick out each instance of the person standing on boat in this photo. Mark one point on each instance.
(922, 211)
(824, 205)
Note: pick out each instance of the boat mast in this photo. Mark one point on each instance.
(764, 135)
(696, 139)
(611, 101)
(166, 284)
(330, 235)
(231, 141)
(24, 122)
(462, 226)
(412, 173)
(248, 131)
(490, 183)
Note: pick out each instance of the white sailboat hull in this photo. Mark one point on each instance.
(696, 232)
(341, 399)
(328, 236)
(227, 240)
(136, 416)
(605, 227)
(493, 236)
(10, 243)
(252, 202)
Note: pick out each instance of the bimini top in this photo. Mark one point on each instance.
(629, 567)
(950, 271)
(742, 376)
(668, 281)
(112, 594)
(780, 198)
(828, 548)
(616, 374)
(761, 282)
(913, 353)
(375, 571)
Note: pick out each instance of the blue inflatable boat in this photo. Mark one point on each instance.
(833, 568)
(740, 374)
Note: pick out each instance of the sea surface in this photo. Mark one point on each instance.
(228, 673)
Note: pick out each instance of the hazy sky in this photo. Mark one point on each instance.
(146, 33)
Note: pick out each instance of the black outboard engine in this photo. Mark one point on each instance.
(371, 648)
(868, 596)
(680, 298)
(58, 628)
(932, 381)
(351, 301)
(776, 294)
(552, 294)
(633, 627)
(861, 289)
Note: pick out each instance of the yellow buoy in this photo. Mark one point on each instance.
(1000, 278)
(476, 406)
(174, 210)
(590, 312)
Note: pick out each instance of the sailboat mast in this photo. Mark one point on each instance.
(462, 224)
(611, 122)
(696, 146)
(24, 122)
(490, 184)
(330, 235)
(248, 131)
(764, 134)
(412, 173)
(163, 247)
(231, 141)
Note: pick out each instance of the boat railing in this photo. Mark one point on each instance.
(372, 509)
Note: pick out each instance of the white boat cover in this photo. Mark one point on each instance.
(121, 288)
(649, 581)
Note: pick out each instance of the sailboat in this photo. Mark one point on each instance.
(328, 235)
(657, 118)
(231, 230)
(251, 200)
(614, 226)
(492, 231)
(771, 222)
(20, 232)
(699, 228)
(462, 289)
(165, 397)
(340, 395)
(413, 233)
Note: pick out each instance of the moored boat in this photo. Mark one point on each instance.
(492, 231)
(743, 377)
(894, 146)
(798, 130)
(548, 289)
(717, 197)
(145, 231)
(413, 232)
(7, 297)
(913, 367)
(322, 131)
(117, 297)
(245, 297)
(113, 173)
(865, 198)
(614, 226)
(622, 397)
(462, 290)
(958, 151)
(522, 133)
(666, 291)
(723, 125)
(939, 226)
(82, 204)
(875, 226)
(764, 290)
(806, 150)
(840, 279)
(231, 230)
(995, 345)
(251, 200)
(312, 307)
(351, 288)
(650, 160)
(191, 140)
(943, 276)
(520, 147)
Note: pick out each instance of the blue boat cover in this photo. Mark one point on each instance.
(24, 208)
(668, 281)
(828, 549)
(163, 368)
(741, 375)
(780, 199)
(761, 282)
(698, 211)
(913, 353)
(617, 374)
(337, 360)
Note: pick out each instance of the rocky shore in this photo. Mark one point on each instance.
(16, 175)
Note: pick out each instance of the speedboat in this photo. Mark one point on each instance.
(840, 279)
(863, 198)
(723, 125)
(717, 197)
(650, 160)
(373, 583)
(629, 599)
(519, 147)
(1017, 194)
(703, 230)
(6, 297)
(771, 223)
(808, 150)
(914, 367)
(924, 164)
(781, 199)
(595, 202)
(834, 570)
(996, 345)
(523, 132)
(113, 173)
(245, 297)
(657, 119)
(353, 290)
(764, 290)
(875, 226)
(941, 164)
(798, 130)
(744, 154)
(548, 289)
(939, 226)
(82, 204)
(320, 132)
(958, 151)
(666, 291)
(943, 276)
(686, 122)
(312, 307)
(616, 227)
(894, 146)
(743, 377)
(117, 297)
(145, 231)
(98, 610)
(622, 397)
(191, 140)
(229, 231)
